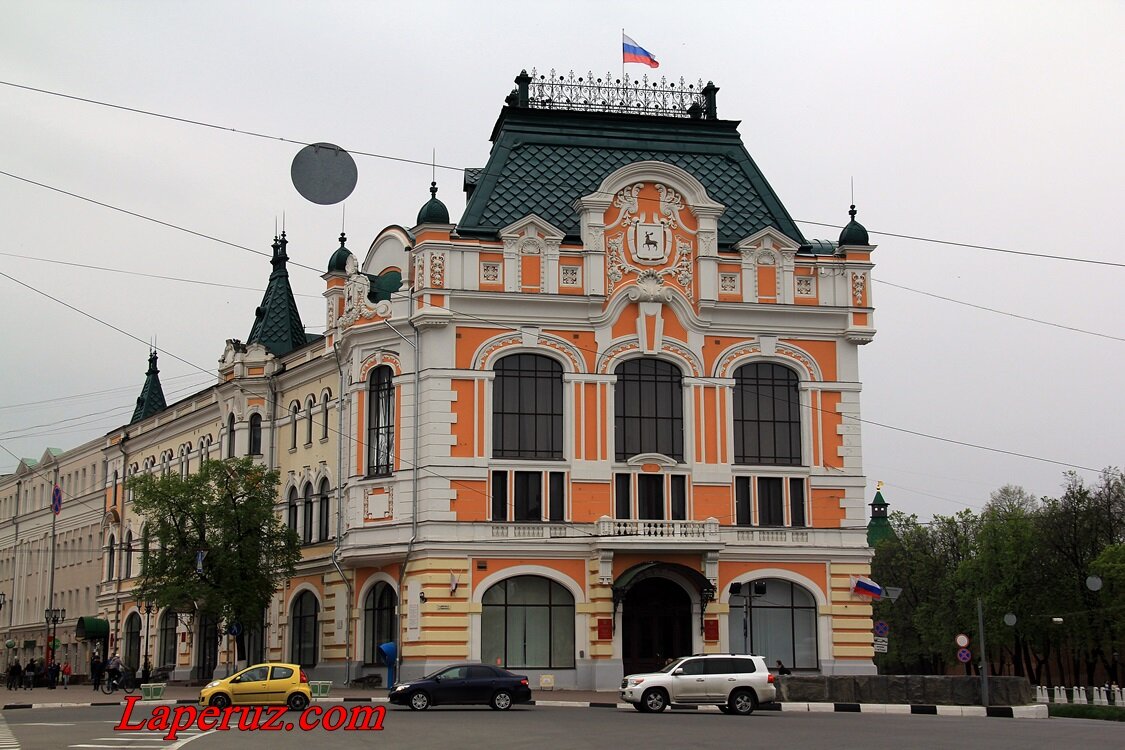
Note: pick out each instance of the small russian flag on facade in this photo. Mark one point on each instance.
(866, 587)
(631, 52)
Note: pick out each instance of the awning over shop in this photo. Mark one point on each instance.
(91, 628)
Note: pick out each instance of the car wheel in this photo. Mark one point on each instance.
(297, 702)
(723, 708)
(419, 701)
(501, 700)
(219, 700)
(743, 702)
(640, 707)
(654, 700)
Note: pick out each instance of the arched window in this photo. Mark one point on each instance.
(230, 436)
(527, 408)
(128, 554)
(111, 558)
(324, 503)
(380, 421)
(324, 415)
(782, 623)
(303, 641)
(166, 656)
(528, 621)
(648, 409)
(294, 410)
(131, 653)
(291, 509)
(307, 526)
(309, 404)
(378, 621)
(255, 434)
(767, 415)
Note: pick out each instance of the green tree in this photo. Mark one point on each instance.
(226, 511)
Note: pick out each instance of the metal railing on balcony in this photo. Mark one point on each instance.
(613, 527)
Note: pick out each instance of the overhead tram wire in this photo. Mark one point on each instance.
(434, 166)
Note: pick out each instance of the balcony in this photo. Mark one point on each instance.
(627, 533)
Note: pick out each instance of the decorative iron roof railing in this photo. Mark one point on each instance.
(625, 95)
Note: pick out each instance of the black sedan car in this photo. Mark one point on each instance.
(464, 684)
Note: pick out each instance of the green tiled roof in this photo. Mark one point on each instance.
(151, 399)
(277, 323)
(542, 160)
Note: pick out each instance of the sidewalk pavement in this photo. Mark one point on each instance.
(84, 695)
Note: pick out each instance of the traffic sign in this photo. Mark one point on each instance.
(964, 655)
(235, 629)
(882, 628)
(56, 500)
(879, 643)
(961, 640)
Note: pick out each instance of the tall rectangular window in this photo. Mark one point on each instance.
(742, 501)
(650, 497)
(527, 408)
(648, 409)
(797, 502)
(771, 511)
(557, 501)
(499, 496)
(622, 498)
(380, 422)
(678, 483)
(528, 503)
(767, 415)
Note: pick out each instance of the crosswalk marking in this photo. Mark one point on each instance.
(8, 740)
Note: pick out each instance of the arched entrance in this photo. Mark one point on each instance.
(131, 653)
(656, 624)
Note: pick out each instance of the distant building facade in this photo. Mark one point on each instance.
(598, 422)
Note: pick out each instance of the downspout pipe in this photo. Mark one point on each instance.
(413, 474)
(341, 403)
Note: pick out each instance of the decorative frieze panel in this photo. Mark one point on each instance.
(490, 273)
(806, 286)
(728, 282)
(570, 276)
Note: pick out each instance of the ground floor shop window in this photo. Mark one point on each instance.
(781, 625)
(304, 642)
(528, 621)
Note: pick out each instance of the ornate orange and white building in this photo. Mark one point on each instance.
(605, 418)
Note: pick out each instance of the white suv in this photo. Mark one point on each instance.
(736, 683)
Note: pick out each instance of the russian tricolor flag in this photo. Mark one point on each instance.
(866, 587)
(631, 52)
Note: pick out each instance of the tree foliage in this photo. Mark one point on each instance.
(226, 510)
(1022, 556)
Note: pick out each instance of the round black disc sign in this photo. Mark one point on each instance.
(324, 173)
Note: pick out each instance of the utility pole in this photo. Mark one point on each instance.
(983, 655)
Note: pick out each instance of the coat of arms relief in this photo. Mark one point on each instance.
(647, 240)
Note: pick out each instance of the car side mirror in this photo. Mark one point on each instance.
(437, 678)
(678, 671)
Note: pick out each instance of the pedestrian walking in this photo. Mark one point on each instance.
(53, 675)
(96, 670)
(65, 671)
(15, 675)
(29, 675)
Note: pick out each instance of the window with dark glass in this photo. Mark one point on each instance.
(167, 655)
(324, 417)
(797, 502)
(782, 623)
(111, 562)
(557, 501)
(771, 506)
(528, 621)
(767, 415)
(378, 621)
(743, 501)
(128, 554)
(230, 436)
(528, 496)
(678, 482)
(307, 507)
(527, 408)
(499, 496)
(291, 509)
(380, 421)
(648, 409)
(323, 503)
(622, 496)
(303, 643)
(309, 420)
(650, 497)
(255, 434)
(294, 410)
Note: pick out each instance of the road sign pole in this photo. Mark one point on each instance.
(983, 655)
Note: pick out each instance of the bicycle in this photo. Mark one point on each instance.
(125, 682)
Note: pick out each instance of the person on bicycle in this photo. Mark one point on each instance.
(113, 670)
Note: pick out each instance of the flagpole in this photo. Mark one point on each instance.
(622, 57)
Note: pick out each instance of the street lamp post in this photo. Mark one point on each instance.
(146, 669)
(53, 617)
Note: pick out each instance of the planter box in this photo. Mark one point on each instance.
(153, 691)
(320, 688)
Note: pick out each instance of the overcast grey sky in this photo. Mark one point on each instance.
(987, 123)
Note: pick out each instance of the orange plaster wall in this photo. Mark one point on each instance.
(497, 258)
(713, 347)
(830, 423)
(584, 341)
(576, 569)
(590, 421)
(859, 319)
(767, 284)
(673, 328)
(470, 501)
(698, 408)
(464, 429)
(589, 501)
(531, 272)
(572, 263)
(823, 351)
(826, 510)
(480, 423)
(815, 572)
(711, 501)
(626, 324)
(469, 340)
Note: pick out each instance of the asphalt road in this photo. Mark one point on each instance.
(92, 728)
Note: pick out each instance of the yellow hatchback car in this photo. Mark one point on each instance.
(260, 685)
